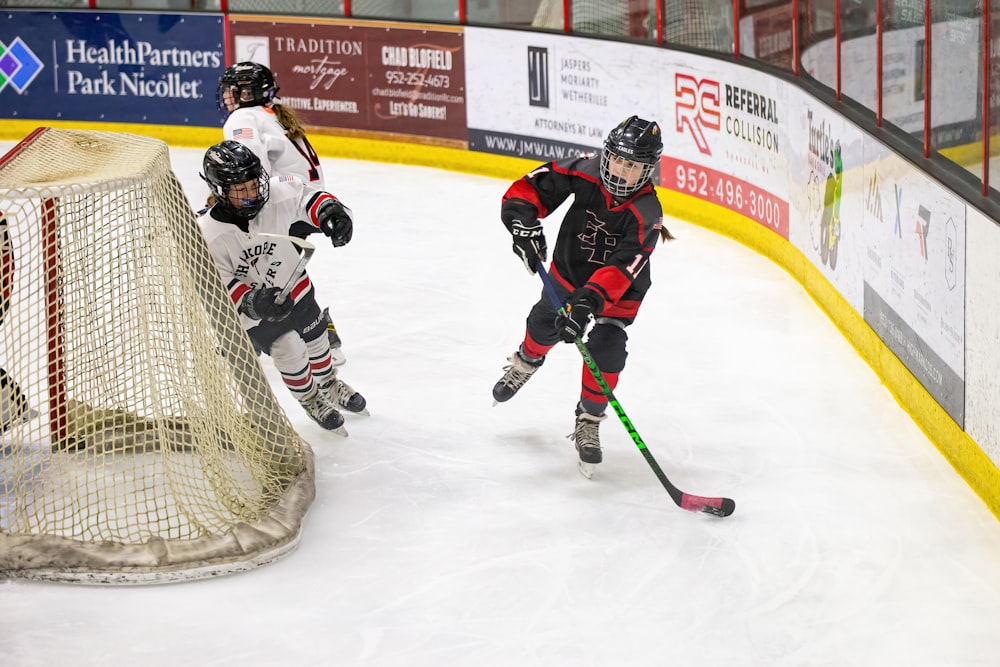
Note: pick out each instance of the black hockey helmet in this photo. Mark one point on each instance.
(231, 163)
(249, 85)
(638, 142)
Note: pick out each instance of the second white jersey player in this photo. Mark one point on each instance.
(254, 116)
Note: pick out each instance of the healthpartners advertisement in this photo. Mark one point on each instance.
(379, 77)
(111, 66)
(545, 97)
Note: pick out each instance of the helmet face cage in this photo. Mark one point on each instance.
(247, 84)
(630, 155)
(232, 164)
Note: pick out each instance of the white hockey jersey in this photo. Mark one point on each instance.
(259, 130)
(247, 260)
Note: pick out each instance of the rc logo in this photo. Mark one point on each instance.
(697, 108)
(18, 65)
(538, 76)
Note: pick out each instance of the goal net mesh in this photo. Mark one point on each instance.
(139, 439)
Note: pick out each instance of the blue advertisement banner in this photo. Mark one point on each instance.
(116, 67)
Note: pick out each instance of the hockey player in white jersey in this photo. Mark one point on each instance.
(245, 206)
(247, 97)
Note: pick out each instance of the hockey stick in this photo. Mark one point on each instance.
(716, 506)
(307, 248)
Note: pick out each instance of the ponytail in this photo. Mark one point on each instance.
(289, 120)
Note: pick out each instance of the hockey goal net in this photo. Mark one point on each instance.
(139, 439)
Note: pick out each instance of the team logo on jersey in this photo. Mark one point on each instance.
(18, 65)
(596, 243)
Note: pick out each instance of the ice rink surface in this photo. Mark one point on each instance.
(448, 532)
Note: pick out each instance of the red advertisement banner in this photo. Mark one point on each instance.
(385, 78)
(720, 188)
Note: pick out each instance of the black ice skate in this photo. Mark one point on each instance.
(342, 394)
(514, 376)
(322, 410)
(588, 441)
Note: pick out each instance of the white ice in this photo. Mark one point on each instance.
(447, 531)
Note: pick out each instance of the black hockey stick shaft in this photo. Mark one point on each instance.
(717, 506)
(306, 250)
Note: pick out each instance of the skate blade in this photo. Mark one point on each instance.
(586, 469)
(337, 357)
(363, 412)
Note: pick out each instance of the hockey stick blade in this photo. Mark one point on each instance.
(306, 248)
(721, 507)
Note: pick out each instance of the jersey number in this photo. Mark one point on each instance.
(637, 265)
(310, 157)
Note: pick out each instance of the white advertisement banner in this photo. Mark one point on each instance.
(551, 96)
(725, 137)
(826, 179)
(914, 272)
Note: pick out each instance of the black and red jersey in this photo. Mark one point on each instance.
(602, 244)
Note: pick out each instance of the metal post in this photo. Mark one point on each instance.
(795, 37)
(927, 78)
(987, 76)
(659, 21)
(878, 63)
(836, 26)
(736, 28)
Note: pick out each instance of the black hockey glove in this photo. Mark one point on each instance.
(260, 304)
(335, 221)
(529, 243)
(582, 305)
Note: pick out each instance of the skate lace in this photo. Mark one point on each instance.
(318, 407)
(514, 377)
(341, 391)
(586, 434)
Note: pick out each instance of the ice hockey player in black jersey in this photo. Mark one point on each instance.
(600, 263)
(247, 209)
